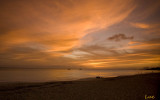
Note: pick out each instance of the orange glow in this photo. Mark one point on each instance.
(140, 25)
(90, 34)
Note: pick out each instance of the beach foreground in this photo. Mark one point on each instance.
(136, 87)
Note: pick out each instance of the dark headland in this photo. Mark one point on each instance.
(135, 87)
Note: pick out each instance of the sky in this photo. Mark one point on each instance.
(96, 34)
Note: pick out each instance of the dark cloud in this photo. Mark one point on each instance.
(119, 37)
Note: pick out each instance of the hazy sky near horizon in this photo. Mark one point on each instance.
(79, 33)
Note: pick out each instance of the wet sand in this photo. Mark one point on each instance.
(135, 87)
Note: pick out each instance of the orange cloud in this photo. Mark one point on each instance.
(58, 26)
(141, 25)
(50, 32)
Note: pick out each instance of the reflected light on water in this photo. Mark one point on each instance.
(44, 75)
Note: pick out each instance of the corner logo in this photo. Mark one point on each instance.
(149, 97)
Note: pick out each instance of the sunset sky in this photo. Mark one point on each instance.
(108, 34)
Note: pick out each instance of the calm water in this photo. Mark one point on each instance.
(43, 75)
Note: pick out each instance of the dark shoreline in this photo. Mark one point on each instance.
(133, 87)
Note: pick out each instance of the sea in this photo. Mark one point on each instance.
(47, 75)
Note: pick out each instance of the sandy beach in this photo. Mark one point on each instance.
(135, 87)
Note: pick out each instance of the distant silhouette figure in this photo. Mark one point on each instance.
(98, 77)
